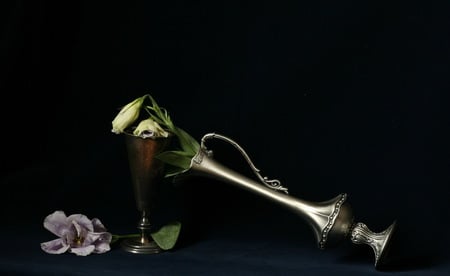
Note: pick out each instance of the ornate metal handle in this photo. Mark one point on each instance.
(273, 184)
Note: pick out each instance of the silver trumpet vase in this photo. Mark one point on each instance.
(146, 174)
(331, 221)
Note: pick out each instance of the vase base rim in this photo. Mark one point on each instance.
(135, 246)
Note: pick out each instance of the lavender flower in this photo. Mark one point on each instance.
(77, 234)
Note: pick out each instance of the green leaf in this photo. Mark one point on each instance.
(116, 238)
(167, 236)
(170, 171)
(160, 114)
(175, 158)
(177, 161)
(187, 142)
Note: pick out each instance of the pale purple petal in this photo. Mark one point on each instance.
(83, 237)
(70, 234)
(102, 244)
(106, 236)
(57, 223)
(78, 229)
(77, 233)
(102, 247)
(56, 246)
(83, 251)
(91, 237)
(98, 225)
(82, 220)
(101, 241)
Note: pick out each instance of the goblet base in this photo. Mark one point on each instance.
(134, 245)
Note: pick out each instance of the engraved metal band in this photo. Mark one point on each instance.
(331, 220)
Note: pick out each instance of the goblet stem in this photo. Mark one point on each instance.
(144, 227)
(143, 244)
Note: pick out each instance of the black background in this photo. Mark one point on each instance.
(326, 96)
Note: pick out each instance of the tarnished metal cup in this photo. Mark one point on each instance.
(146, 175)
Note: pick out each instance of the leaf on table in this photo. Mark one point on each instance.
(167, 236)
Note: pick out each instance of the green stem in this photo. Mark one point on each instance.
(118, 237)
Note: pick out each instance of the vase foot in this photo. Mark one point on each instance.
(136, 246)
(380, 242)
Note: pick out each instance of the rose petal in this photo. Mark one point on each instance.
(83, 251)
(81, 220)
(56, 246)
(57, 223)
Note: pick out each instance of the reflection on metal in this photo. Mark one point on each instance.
(378, 241)
(331, 220)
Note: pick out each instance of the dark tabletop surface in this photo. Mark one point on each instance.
(326, 96)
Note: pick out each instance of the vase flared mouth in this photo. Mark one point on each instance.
(129, 132)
